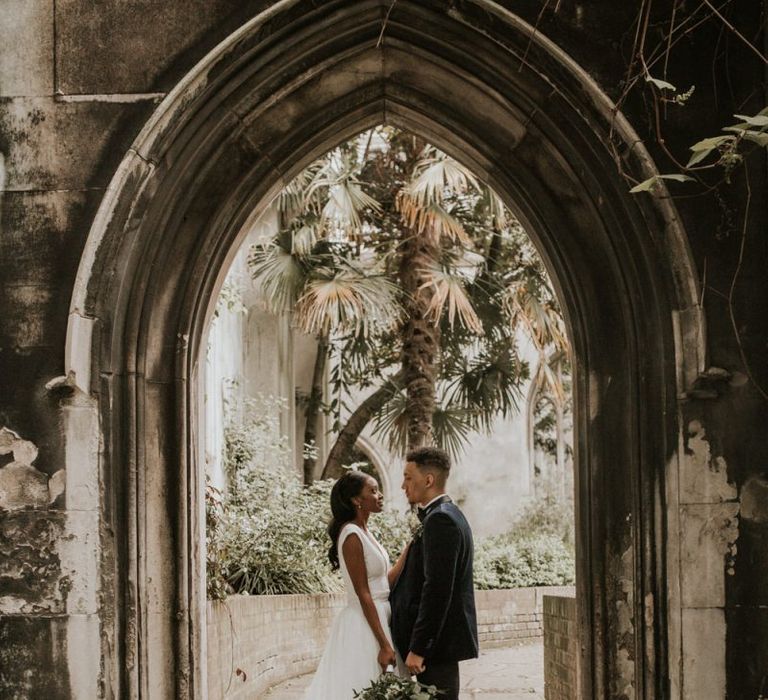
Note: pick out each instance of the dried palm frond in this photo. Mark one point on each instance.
(436, 173)
(449, 291)
(432, 218)
(539, 318)
(346, 300)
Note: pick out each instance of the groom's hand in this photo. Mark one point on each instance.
(415, 663)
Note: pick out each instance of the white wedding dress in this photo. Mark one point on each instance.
(349, 662)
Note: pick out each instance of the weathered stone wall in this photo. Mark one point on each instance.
(78, 80)
(561, 648)
(255, 642)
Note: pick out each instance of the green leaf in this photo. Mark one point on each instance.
(645, 185)
(677, 177)
(758, 120)
(661, 84)
(757, 137)
(697, 157)
(703, 148)
(651, 182)
(710, 143)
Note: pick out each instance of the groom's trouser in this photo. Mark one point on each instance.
(445, 676)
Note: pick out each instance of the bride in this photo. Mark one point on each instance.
(360, 644)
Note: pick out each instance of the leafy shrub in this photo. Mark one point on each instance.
(393, 530)
(266, 532)
(546, 514)
(216, 583)
(538, 560)
(536, 551)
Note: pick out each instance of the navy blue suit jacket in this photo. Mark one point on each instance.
(433, 600)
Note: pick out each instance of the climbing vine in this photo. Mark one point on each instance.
(712, 161)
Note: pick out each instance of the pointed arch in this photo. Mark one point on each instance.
(480, 84)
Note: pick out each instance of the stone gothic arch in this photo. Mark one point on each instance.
(293, 82)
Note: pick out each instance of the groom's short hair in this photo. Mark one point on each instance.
(431, 459)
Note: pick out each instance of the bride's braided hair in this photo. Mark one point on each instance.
(344, 490)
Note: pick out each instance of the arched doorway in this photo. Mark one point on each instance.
(484, 87)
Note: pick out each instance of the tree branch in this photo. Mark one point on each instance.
(356, 423)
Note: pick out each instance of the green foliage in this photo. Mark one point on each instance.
(393, 530)
(275, 538)
(507, 562)
(546, 514)
(229, 299)
(338, 264)
(266, 532)
(391, 687)
(537, 550)
(652, 184)
(728, 150)
(215, 553)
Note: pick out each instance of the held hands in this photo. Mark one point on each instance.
(415, 663)
(386, 657)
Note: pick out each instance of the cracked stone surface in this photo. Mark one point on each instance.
(511, 673)
(21, 484)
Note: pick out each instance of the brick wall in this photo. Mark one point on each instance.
(560, 648)
(273, 638)
(512, 616)
(269, 638)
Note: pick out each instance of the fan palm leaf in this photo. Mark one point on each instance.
(449, 292)
(303, 240)
(392, 424)
(488, 385)
(280, 273)
(451, 428)
(432, 218)
(346, 202)
(346, 300)
(434, 174)
(296, 197)
(538, 317)
(451, 425)
(336, 185)
(547, 377)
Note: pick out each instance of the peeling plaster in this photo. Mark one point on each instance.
(703, 478)
(723, 530)
(623, 685)
(21, 484)
(709, 536)
(30, 566)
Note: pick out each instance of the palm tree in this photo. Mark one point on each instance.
(397, 258)
(302, 271)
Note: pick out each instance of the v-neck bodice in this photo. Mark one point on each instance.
(376, 564)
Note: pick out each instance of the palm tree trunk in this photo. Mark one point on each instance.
(312, 412)
(360, 417)
(420, 336)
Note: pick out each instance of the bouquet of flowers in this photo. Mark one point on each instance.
(390, 686)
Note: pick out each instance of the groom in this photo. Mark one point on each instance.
(434, 625)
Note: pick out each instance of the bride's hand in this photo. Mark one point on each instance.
(386, 657)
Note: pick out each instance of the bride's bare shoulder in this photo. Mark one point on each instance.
(348, 529)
